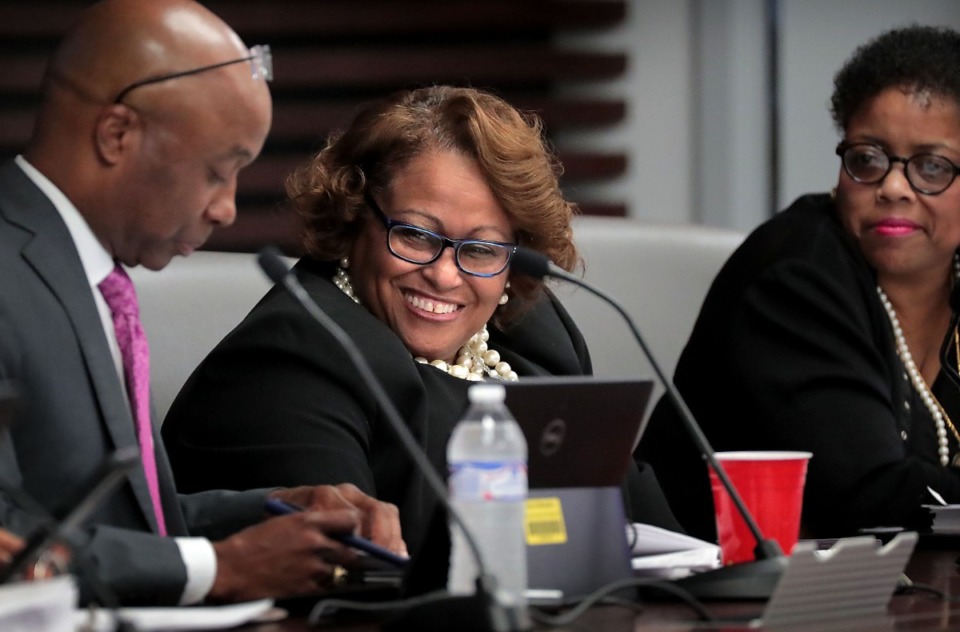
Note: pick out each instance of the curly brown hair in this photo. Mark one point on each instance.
(509, 147)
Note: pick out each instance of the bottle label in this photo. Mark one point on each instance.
(488, 480)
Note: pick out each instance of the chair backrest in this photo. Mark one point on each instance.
(188, 307)
(659, 273)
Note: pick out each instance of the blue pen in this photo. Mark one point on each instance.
(279, 507)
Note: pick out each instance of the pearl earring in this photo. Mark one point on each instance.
(504, 297)
(345, 262)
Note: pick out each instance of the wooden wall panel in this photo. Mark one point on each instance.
(331, 55)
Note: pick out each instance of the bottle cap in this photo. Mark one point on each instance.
(487, 393)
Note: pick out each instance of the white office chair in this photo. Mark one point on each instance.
(188, 307)
(659, 273)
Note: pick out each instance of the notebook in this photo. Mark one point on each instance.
(580, 435)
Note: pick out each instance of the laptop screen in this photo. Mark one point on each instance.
(580, 430)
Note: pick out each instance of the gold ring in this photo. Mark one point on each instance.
(339, 576)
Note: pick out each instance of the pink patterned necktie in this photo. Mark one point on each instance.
(121, 297)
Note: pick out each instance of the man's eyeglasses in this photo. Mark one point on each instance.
(866, 163)
(477, 257)
(261, 64)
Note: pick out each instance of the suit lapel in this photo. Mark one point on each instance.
(172, 514)
(52, 254)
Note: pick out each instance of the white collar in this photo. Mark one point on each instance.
(97, 262)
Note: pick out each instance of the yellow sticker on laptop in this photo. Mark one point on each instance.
(544, 522)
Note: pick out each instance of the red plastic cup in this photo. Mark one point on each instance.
(771, 486)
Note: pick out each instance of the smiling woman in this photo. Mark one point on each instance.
(823, 331)
(432, 302)
(411, 217)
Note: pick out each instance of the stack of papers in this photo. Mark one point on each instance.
(40, 606)
(946, 519)
(669, 555)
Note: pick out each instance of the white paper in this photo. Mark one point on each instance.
(177, 618)
(663, 553)
(676, 565)
(649, 540)
(946, 518)
(38, 606)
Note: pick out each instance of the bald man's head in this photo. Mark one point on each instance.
(154, 170)
(118, 42)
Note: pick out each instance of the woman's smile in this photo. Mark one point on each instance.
(431, 307)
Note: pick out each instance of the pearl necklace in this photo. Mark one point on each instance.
(940, 419)
(474, 359)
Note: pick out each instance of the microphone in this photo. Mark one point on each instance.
(71, 515)
(482, 609)
(750, 580)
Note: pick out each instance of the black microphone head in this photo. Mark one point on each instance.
(272, 264)
(530, 263)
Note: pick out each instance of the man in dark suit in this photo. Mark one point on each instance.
(149, 110)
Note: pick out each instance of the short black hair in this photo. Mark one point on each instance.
(921, 59)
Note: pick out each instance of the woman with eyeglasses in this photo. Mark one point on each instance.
(823, 332)
(411, 218)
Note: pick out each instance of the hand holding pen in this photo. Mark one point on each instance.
(277, 506)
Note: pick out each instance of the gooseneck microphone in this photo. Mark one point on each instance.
(751, 580)
(482, 610)
(69, 517)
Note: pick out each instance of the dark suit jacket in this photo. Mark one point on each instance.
(277, 402)
(74, 413)
(793, 351)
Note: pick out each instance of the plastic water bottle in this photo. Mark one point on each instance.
(487, 457)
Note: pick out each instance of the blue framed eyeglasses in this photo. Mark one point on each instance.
(477, 257)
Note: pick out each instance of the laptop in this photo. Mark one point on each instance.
(580, 435)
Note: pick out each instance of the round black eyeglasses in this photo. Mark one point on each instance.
(477, 257)
(866, 163)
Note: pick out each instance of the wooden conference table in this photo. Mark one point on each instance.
(920, 610)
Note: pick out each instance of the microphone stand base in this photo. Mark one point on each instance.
(749, 580)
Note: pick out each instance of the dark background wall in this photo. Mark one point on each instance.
(331, 55)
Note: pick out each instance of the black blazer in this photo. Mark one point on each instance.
(793, 351)
(277, 402)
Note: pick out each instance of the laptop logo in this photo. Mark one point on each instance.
(552, 437)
